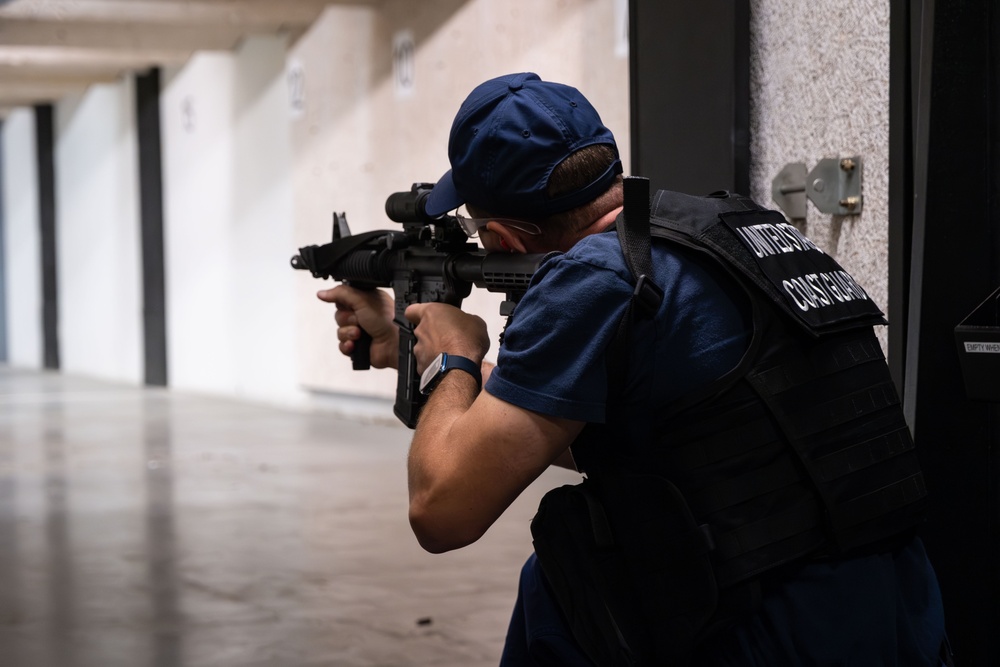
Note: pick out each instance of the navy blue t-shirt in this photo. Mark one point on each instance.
(882, 610)
(552, 359)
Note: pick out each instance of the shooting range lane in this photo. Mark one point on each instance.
(144, 527)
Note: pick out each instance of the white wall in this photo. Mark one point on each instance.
(97, 234)
(228, 229)
(228, 224)
(22, 247)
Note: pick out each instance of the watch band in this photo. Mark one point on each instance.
(444, 363)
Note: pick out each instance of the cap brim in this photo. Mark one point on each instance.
(443, 197)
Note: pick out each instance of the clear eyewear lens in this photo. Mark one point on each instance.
(471, 226)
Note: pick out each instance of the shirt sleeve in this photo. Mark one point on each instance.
(552, 357)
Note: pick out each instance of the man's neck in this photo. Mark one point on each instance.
(602, 223)
(567, 241)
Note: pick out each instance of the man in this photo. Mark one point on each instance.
(538, 171)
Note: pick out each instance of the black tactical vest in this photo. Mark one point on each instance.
(802, 450)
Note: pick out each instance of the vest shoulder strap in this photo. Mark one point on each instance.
(633, 231)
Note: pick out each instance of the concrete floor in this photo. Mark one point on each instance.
(145, 527)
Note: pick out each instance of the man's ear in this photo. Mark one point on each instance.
(510, 239)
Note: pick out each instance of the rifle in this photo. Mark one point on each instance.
(430, 260)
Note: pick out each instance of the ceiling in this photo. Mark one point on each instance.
(51, 48)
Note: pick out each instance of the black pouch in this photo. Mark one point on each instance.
(628, 566)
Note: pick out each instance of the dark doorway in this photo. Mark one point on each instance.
(676, 82)
(154, 310)
(3, 271)
(45, 151)
(945, 260)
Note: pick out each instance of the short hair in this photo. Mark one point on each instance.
(577, 171)
(580, 169)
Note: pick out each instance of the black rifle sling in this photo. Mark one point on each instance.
(633, 235)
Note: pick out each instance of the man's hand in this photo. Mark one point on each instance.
(443, 328)
(371, 310)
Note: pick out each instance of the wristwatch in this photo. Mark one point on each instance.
(444, 363)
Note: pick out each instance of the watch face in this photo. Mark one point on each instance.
(431, 373)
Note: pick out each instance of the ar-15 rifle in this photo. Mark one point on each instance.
(431, 260)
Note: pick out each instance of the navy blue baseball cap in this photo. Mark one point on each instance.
(508, 136)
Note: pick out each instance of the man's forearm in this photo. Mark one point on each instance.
(472, 455)
(431, 462)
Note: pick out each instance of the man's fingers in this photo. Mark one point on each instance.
(345, 317)
(329, 295)
(415, 312)
(345, 296)
(348, 333)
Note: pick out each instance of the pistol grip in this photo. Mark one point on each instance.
(361, 354)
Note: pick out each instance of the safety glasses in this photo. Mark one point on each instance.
(471, 226)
